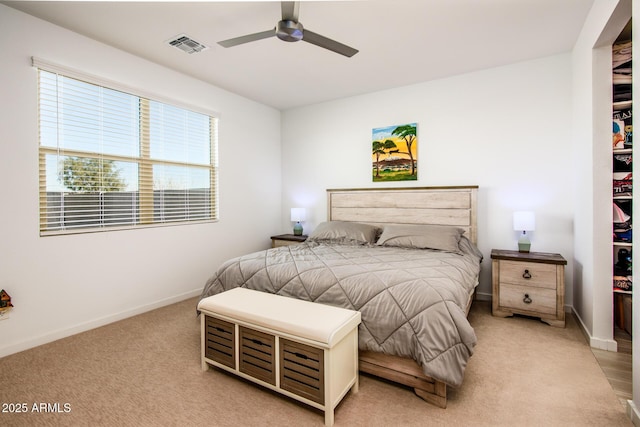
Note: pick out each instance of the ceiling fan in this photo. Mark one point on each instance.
(290, 29)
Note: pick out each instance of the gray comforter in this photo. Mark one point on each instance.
(412, 301)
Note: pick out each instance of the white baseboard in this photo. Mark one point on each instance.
(633, 413)
(92, 324)
(602, 344)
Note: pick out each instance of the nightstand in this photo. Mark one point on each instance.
(287, 239)
(529, 283)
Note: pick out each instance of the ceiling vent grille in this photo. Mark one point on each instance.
(187, 44)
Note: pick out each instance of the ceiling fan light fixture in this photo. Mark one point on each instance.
(290, 31)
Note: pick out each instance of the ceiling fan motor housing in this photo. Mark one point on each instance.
(289, 31)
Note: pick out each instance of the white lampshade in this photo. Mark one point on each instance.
(298, 214)
(524, 221)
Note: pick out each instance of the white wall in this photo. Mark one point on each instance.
(506, 129)
(64, 284)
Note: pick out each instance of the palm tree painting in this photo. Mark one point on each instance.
(394, 153)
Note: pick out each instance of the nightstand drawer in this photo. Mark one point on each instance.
(528, 298)
(286, 240)
(277, 243)
(531, 274)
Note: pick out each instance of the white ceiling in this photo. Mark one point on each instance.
(401, 42)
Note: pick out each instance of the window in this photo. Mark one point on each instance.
(110, 159)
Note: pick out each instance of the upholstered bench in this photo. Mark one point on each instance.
(304, 350)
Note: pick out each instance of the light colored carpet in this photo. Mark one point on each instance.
(145, 371)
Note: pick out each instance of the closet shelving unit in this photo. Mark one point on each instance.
(622, 185)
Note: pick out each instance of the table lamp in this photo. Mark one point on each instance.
(524, 221)
(297, 215)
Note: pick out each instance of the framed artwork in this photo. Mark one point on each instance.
(394, 153)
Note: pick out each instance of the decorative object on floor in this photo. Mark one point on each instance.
(394, 153)
(297, 215)
(524, 221)
(5, 304)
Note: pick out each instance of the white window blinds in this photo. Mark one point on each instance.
(110, 159)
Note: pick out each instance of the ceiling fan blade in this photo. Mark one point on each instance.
(290, 10)
(248, 38)
(322, 41)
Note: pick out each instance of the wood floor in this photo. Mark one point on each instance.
(617, 367)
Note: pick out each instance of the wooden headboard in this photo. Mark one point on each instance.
(455, 206)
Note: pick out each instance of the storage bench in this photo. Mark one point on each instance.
(304, 350)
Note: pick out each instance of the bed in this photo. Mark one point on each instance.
(406, 258)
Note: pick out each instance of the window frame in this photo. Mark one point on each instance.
(145, 192)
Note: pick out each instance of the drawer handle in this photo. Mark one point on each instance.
(526, 299)
(219, 329)
(255, 341)
(301, 356)
(526, 274)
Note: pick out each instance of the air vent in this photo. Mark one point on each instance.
(187, 44)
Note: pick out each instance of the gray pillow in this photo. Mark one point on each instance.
(341, 231)
(440, 237)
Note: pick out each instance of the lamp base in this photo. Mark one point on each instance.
(297, 229)
(524, 247)
(524, 244)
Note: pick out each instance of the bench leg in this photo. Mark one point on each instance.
(203, 334)
(328, 417)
